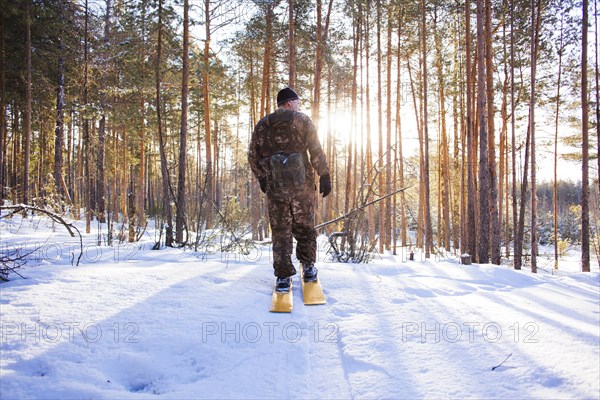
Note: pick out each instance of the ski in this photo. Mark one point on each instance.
(312, 292)
(282, 302)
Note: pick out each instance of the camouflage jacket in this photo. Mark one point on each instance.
(301, 137)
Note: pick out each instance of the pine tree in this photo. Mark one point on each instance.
(166, 185)
(585, 211)
(484, 179)
(180, 221)
(28, 100)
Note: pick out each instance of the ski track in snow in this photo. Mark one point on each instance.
(178, 324)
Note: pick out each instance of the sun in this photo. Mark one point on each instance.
(338, 123)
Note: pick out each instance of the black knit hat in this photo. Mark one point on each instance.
(285, 95)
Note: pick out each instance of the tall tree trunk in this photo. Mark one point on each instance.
(16, 156)
(142, 178)
(216, 166)
(380, 166)
(292, 45)
(70, 169)
(266, 82)
(388, 129)
(180, 221)
(535, 27)
(597, 75)
(27, 122)
(585, 208)
(458, 109)
(318, 65)
(418, 120)
(484, 183)
(331, 201)
(166, 191)
(520, 229)
(254, 189)
(529, 146)
(356, 29)
(59, 132)
(102, 126)
(322, 33)
(209, 190)
(444, 159)
(3, 133)
(516, 238)
(492, 170)
(369, 149)
(359, 153)
(428, 227)
(86, 153)
(141, 205)
(399, 149)
(131, 209)
(555, 197)
(503, 168)
(471, 155)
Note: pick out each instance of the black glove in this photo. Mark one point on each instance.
(263, 184)
(325, 185)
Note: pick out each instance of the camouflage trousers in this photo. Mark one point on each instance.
(291, 215)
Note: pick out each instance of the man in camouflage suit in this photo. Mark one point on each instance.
(284, 150)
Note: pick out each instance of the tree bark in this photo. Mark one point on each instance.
(321, 39)
(484, 183)
(166, 192)
(503, 161)
(516, 227)
(28, 111)
(142, 178)
(180, 221)
(597, 75)
(472, 154)
(292, 46)
(444, 159)
(492, 171)
(521, 224)
(3, 133)
(585, 208)
(369, 149)
(254, 188)
(418, 120)
(428, 227)
(318, 65)
(555, 194)
(535, 28)
(265, 87)
(380, 166)
(388, 119)
(356, 28)
(100, 192)
(209, 190)
(86, 151)
(59, 134)
(400, 154)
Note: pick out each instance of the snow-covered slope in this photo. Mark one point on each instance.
(172, 324)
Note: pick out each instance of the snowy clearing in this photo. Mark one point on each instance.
(134, 323)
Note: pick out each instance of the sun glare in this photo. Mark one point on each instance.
(338, 123)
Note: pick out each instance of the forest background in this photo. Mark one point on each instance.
(134, 112)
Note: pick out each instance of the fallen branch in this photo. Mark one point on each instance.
(351, 213)
(55, 217)
(502, 363)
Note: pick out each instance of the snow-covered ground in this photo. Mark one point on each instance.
(130, 322)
